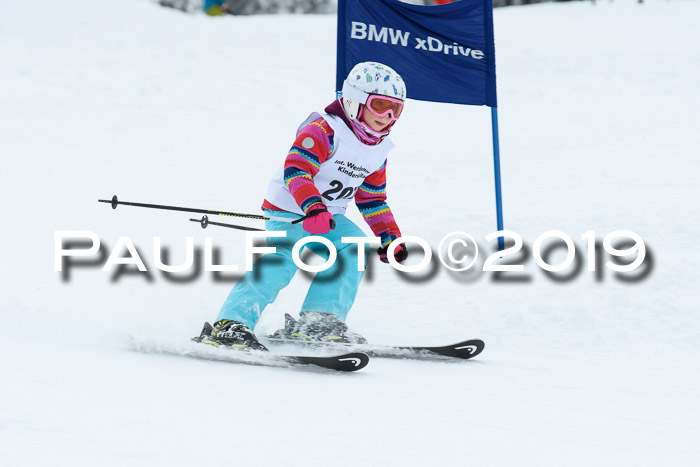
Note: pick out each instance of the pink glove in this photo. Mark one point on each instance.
(400, 253)
(318, 220)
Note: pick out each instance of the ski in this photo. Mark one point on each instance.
(345, 362)
(461, 350)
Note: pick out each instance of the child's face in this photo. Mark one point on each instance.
(375, 122)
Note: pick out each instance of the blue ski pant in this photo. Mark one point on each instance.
(331, 291)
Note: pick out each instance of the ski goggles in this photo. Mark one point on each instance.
(382, 105)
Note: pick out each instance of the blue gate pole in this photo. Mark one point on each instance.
(497, 174)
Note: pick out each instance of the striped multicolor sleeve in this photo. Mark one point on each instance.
(371, 201)
(313, 146)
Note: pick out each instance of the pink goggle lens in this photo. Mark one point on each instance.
(382, 105)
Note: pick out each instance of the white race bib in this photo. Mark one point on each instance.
(341, 175)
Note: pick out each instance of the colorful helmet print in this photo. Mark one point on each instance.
(370, 78)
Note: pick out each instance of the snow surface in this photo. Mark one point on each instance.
(599, 109)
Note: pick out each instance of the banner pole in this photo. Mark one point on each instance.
(340, 68)
(497, 174)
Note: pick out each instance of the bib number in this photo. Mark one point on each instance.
(343, 192)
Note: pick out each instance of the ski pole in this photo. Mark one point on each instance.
(115, 202)
(205, 222)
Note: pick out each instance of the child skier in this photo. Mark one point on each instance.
(338, 155)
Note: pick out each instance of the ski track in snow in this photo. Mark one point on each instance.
(598, 132)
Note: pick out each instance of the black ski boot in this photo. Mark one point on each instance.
(315, 326)
(229, 333)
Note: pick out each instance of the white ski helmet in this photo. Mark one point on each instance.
(370, 78)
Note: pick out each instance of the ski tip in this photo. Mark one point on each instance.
(467, 349)
(352, 361)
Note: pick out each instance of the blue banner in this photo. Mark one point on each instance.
(444, 53)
